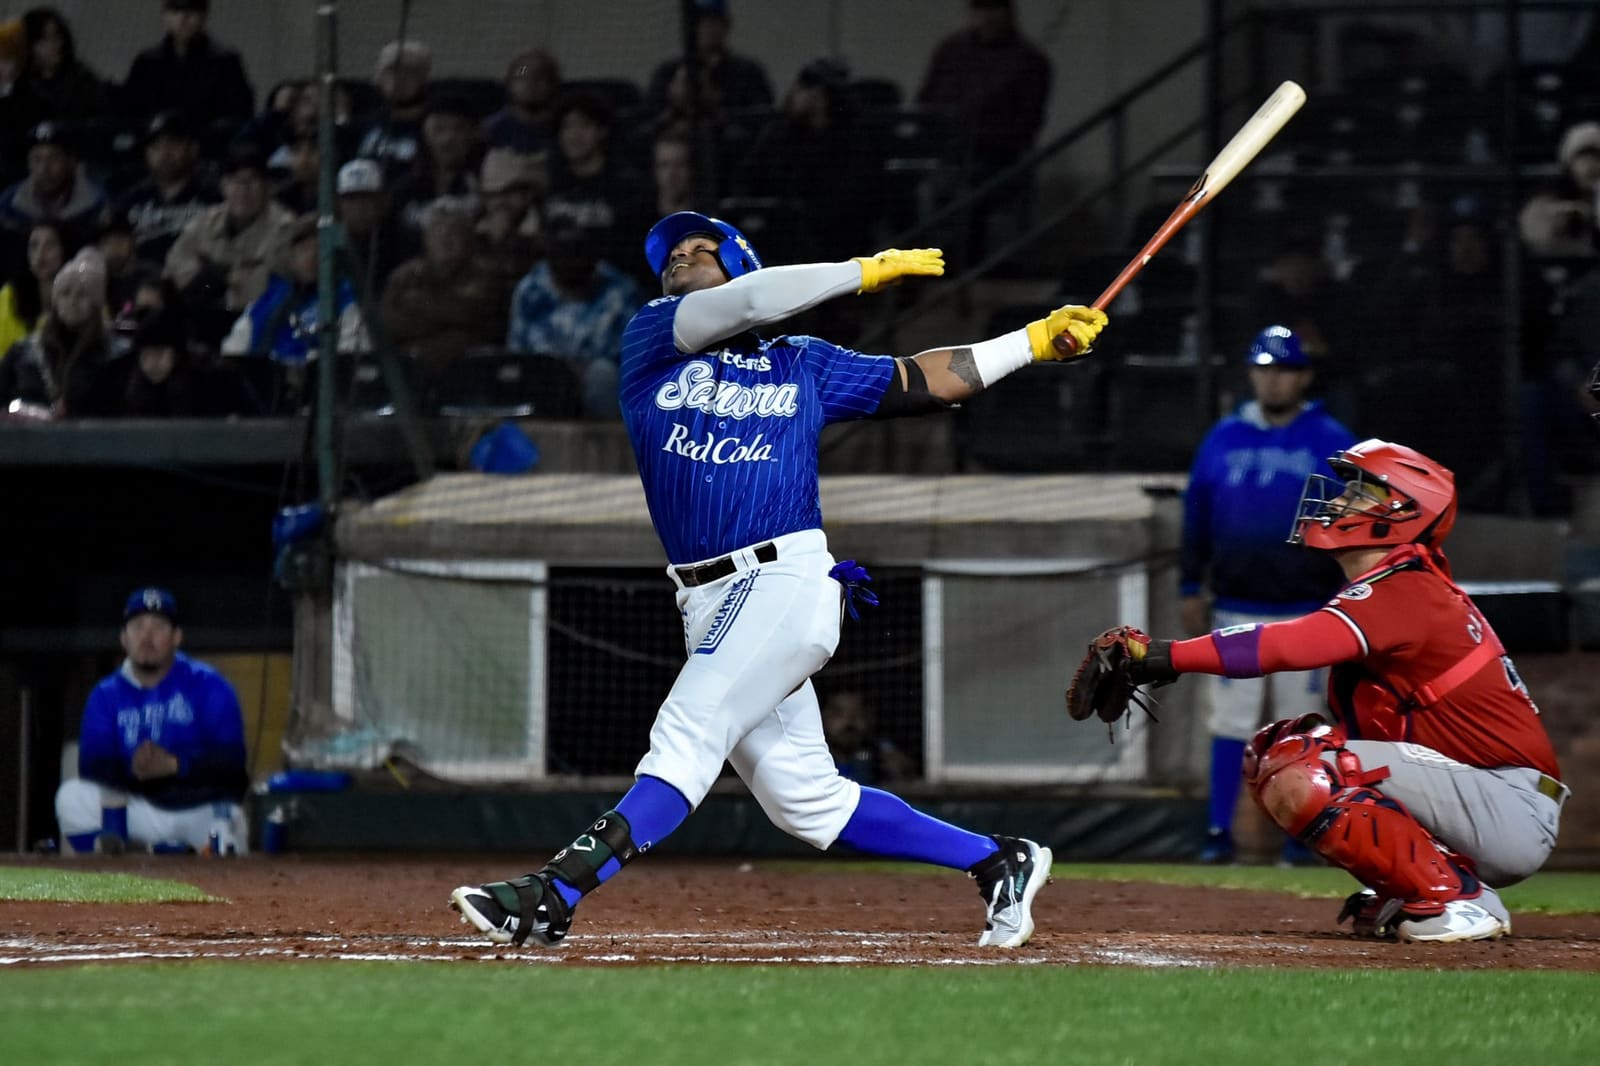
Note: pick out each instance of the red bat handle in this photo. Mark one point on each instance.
(1176, 221)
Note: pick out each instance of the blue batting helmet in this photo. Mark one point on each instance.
(733, 249)
(1278, 346)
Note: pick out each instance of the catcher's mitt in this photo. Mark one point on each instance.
(1107, 680)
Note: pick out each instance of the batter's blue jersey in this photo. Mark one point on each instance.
(726, 441)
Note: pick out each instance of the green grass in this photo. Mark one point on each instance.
(78, 886)
(1560, 892)
(709, 1016)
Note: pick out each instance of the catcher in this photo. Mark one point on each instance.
(1434, 782)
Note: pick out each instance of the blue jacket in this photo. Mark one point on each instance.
(193, 713)
(1239, 509)
(290, 313)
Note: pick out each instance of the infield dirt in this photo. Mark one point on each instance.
(678, 911)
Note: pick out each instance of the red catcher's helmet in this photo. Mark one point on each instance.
(1389, 495)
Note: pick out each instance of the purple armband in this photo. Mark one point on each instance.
(1239, 647)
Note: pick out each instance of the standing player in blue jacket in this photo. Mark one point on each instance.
(1238, 512)
(724, 425)
(161, 756)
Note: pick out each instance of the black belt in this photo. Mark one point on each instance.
(717, 569)
(1549, 786)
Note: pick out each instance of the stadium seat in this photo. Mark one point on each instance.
(492, 382)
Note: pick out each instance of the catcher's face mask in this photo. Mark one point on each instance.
(1358, 511)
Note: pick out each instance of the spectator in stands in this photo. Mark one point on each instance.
(297, 141)
(395, 134)
(68, 90)
(1297, 290)
(672, 166)
(1237, 566)
(850, 726)
(509, 232)
(735, 81)
(527, 122)
(163, 379)
(282, 322)
(446, 163)
(298, 159)
(1561, 222)
(27, 293)
(575, 305)
(188, 71)
(161, 754)
(125, 270)
(818, 155)
(223, 257)
(445, 301)
(993, 83)
(369, 228)
(57, 187)
(589, 186)
(20, 110)
(61, 369)
(175, 191)
(269, 125)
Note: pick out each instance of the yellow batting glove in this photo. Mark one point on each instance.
(888, 267)
(1066, 333)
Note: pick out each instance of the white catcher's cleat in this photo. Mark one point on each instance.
(1462, 919)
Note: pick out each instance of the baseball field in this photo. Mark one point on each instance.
(354, 960)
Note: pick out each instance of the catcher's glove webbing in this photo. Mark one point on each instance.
(1107, 680)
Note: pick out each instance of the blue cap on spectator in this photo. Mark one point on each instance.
(1278, 346)
(715, 8)
(150, 600)
(201, 6)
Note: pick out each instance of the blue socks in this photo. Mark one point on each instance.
(882, 824)
(1227, 777)
(886, 825)
(653, 809)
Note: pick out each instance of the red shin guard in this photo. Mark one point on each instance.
(1314, 788)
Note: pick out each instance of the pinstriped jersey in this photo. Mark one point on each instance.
(726, 441)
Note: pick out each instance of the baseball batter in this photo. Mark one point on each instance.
(1435, 781)
(724, 424)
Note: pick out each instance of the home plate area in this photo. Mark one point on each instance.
(663, 911)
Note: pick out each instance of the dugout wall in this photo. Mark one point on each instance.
(518, 631)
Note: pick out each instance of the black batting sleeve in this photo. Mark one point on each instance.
(910, 396)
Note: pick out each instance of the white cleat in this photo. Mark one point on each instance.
(1462, 919)
(1018, 871)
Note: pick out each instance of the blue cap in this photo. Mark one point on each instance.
(1278, 346)
(150, 600)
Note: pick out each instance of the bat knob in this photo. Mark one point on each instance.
(1064, 345)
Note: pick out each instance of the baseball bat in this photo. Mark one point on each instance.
(1234, 157)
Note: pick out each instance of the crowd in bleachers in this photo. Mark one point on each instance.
(482, 216)
(499, 218)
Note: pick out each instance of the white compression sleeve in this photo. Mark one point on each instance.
(998, 357)
(757, 298)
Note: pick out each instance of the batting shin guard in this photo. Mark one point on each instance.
(579, 864)
(1333, 810)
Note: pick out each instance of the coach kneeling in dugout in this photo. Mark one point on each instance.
(161, 757)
